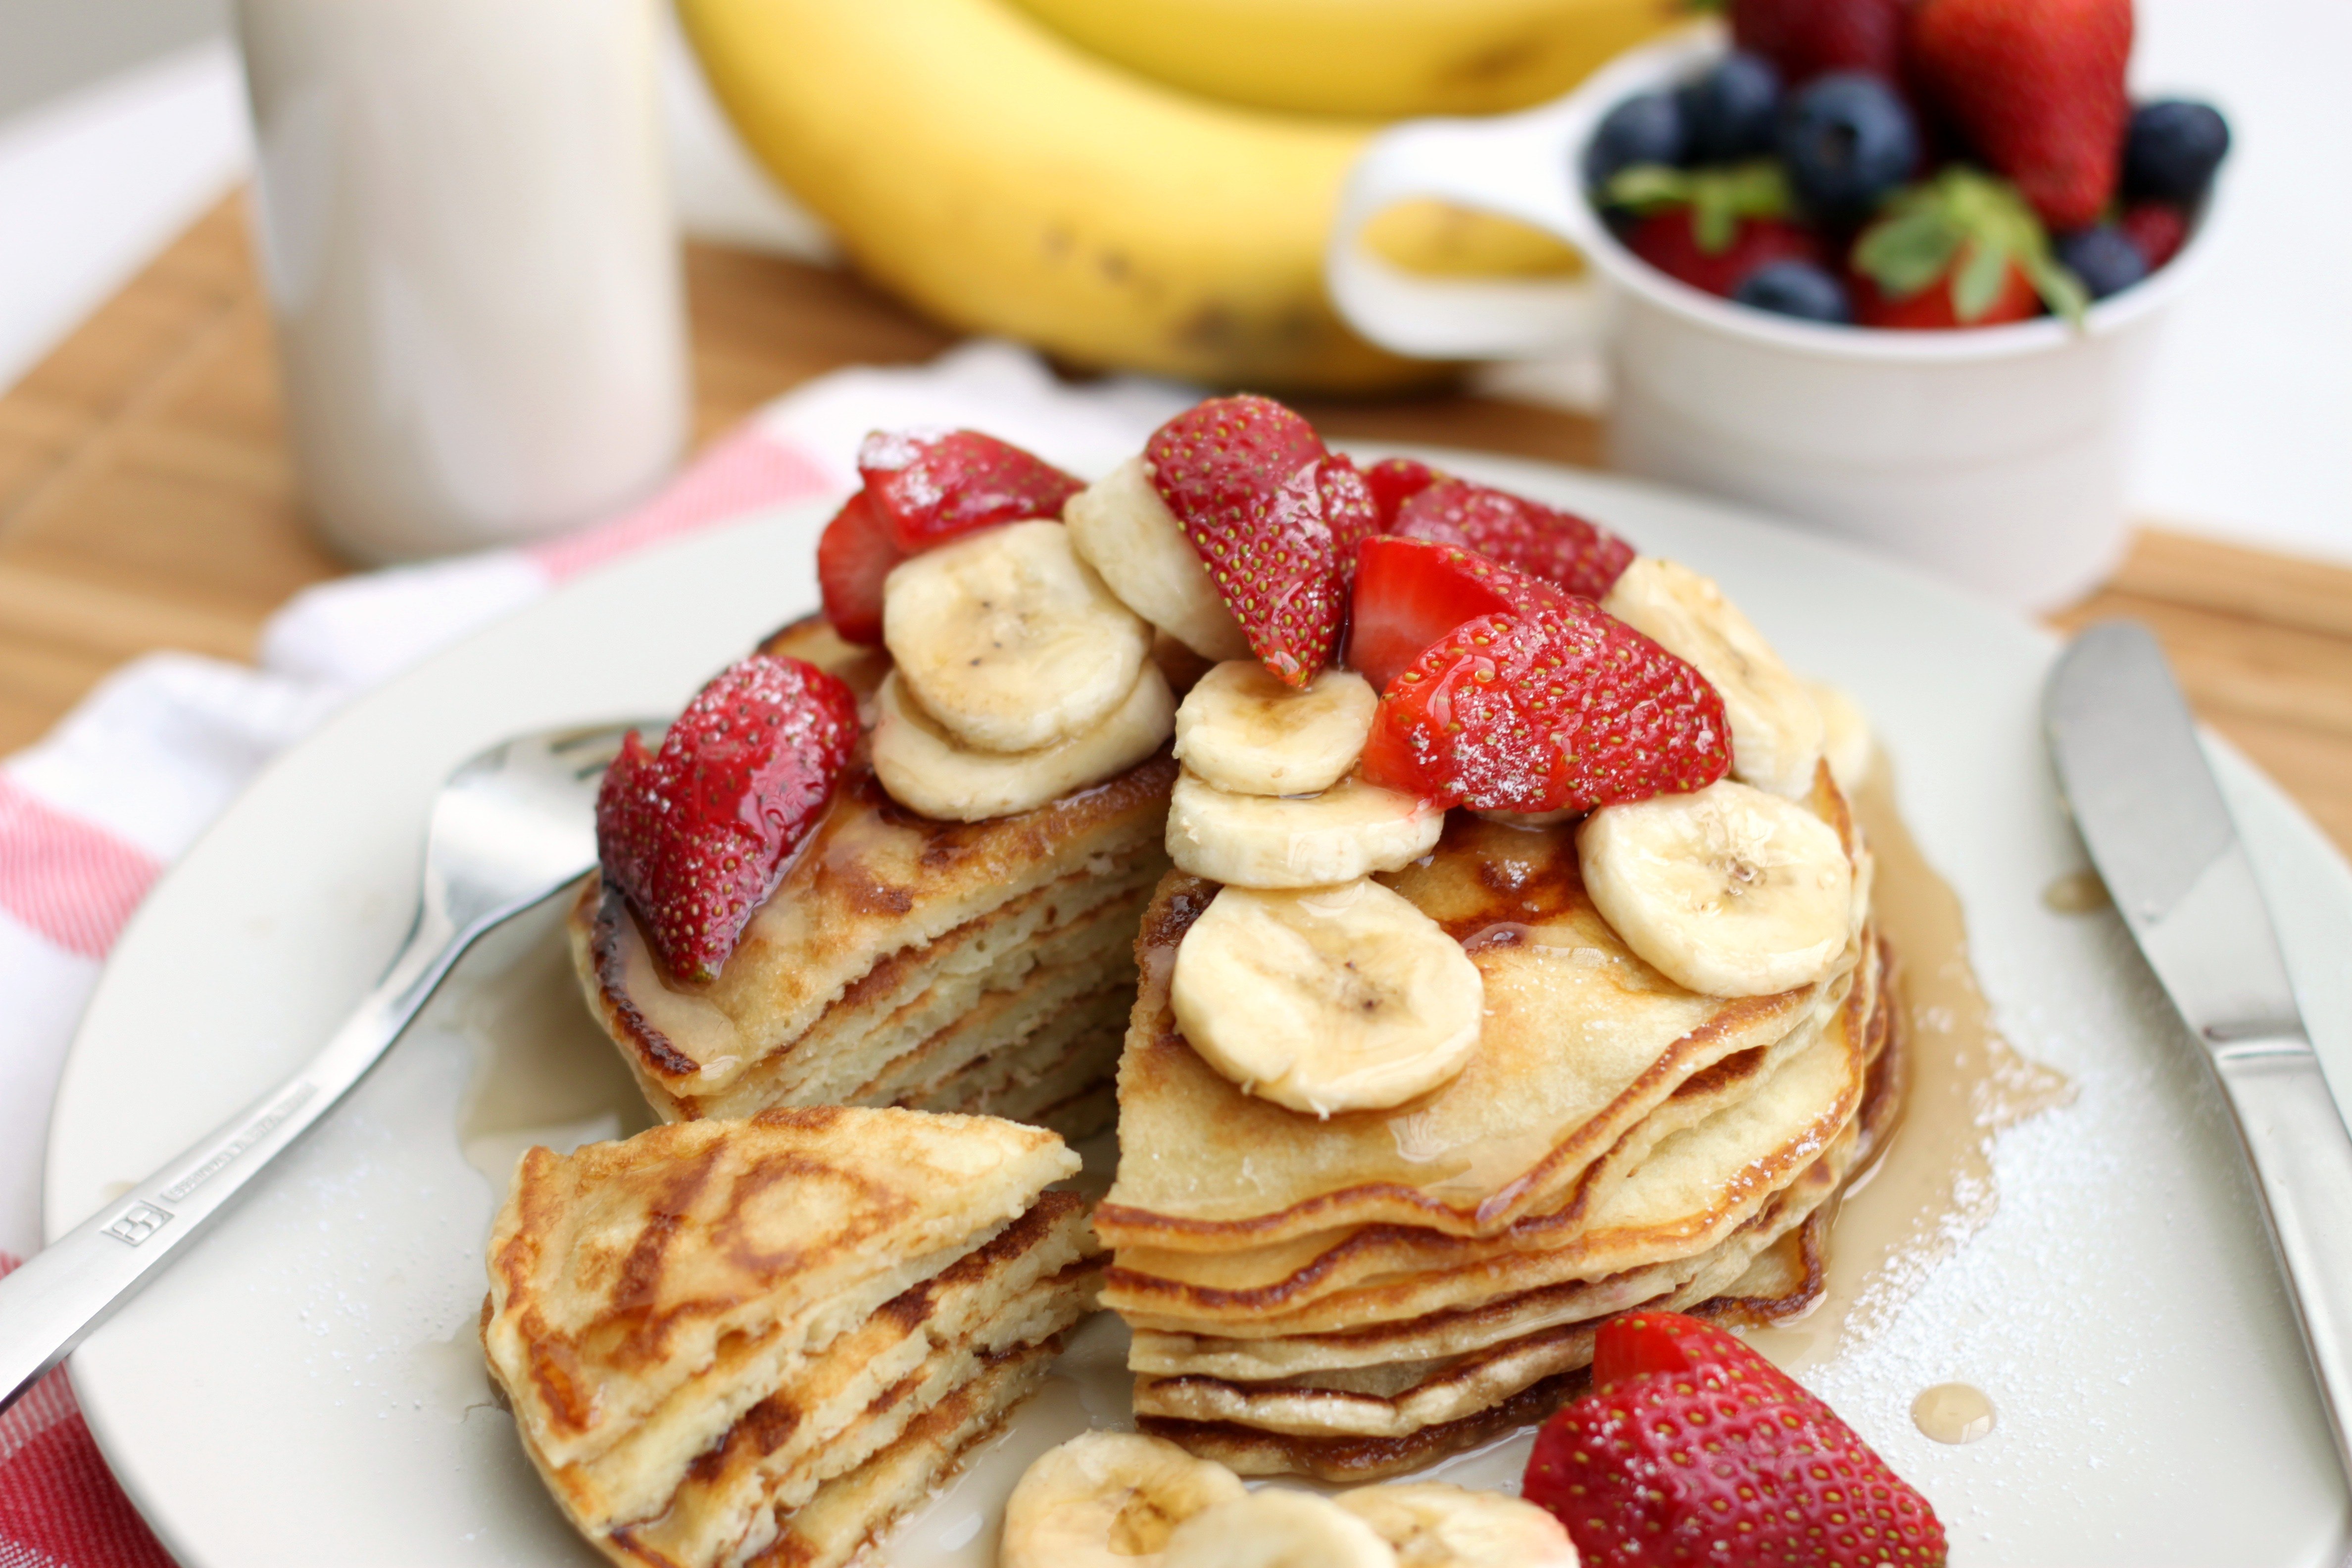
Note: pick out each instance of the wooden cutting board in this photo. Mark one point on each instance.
(147, 501)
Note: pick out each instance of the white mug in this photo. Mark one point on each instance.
(465, 233)
(1992, 456)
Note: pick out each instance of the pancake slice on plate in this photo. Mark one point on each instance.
(897, 950)
(703, 1324)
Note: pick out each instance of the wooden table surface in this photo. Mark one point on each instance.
(147, 501)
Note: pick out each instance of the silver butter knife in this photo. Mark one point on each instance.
(2153, 818)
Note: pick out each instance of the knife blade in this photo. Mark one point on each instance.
(2153, 818)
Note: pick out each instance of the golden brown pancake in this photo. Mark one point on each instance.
(894, 949)
(645, 1294)
(1581, 1041)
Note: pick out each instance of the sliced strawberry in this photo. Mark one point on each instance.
(1351, 510)
(696, 835)
(1245, 475)
(1555, 707)
(1560, 547)
(1412, 592)
(1396, 480)
(853, 554)
(931, 485)
(1692, 1448)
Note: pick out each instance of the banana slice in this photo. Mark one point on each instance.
(1124, 530)
(1326, 999)
(1728, 890)
(1432, 1524)
(1350, 830)
(1243, 730)
(1010, 640)
(1276, 1528)
(1107, 1499)
(1776, 730)
(1847, 744)
(927, 770)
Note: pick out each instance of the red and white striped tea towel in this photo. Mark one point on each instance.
(92, 815)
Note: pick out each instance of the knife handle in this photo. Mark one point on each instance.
(2302, 1159)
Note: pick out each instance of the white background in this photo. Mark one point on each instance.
(2247, 429)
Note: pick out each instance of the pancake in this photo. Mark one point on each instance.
(645, 1294)
(849, 1514)
(895, 947)
(1695, 1187)
(1030, 1284)
(1581, 1041)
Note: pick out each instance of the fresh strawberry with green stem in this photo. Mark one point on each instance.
(928, 486)
(696, 835)
(1410, 592)
(1960, 250)
(1556, 707)
(1692, 1448)
(1558, 547)
(2037, 87)
(1248, 479)
(854, 555)
(1711, 228)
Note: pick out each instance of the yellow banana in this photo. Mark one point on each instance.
(1374, 57)
(1006, 181)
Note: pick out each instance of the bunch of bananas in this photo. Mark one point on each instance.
(1144, 185)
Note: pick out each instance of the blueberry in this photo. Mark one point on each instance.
(1847, 140)
(2172, 149)
(2104, 257)
(1646, 128)
(1729, 111)
(1796, 288)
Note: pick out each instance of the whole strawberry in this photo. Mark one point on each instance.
(2037, 87)
(1554, 707)
(1692, 1448)
(696, 835)
(1806, 38)
(1265, 507)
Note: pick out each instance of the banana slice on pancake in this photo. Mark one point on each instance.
(1009, 640)
(1776, 730)
(1728, 890)
(1277, 1528)
(1325, 999)
(1435, 1524)
(1107, 1499)
(926, 769)
(1244, 728)
(1350, 830)
(1126, 531)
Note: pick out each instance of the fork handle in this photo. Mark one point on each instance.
(68, 1288)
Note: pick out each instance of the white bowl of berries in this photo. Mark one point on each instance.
(1891, 270)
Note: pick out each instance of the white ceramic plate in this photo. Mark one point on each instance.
(304, 1386)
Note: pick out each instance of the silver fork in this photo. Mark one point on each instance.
(511, 827)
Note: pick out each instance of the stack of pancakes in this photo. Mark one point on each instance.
(984, 967)
(760, 1342)
(1355, 1297)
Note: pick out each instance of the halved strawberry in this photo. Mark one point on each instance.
(928, 486)
(696, 835)
(1560, 547)
(853, 554)
(1412, 592)
(1246, 478)
(1692, 1448)
(1349, 509)
(1555, 707)
(1396, 480)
